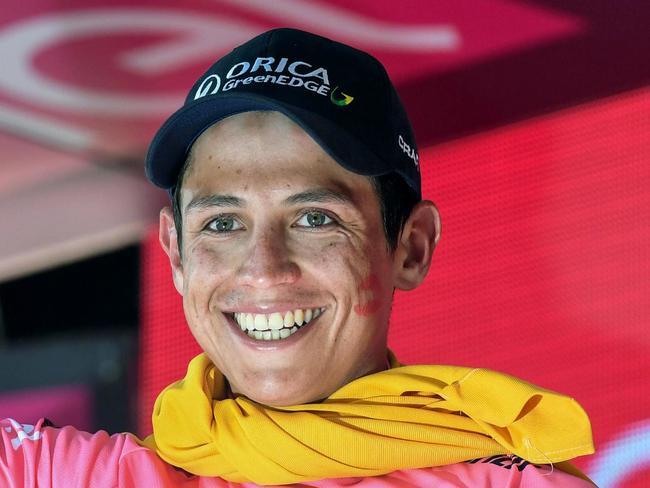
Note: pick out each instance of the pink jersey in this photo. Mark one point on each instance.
(46, 457)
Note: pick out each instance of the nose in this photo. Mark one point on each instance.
(268, 262)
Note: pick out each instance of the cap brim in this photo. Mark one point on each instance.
(170, 145)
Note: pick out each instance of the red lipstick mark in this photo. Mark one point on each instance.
(369, 297)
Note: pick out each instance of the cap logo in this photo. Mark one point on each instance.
(341, 102)
(280, 71)
(209, 86)
(408, 150)
(295, 68)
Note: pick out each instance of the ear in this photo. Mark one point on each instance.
(169, 242)
(417, 241)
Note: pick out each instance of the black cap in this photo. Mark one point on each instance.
(340, 96)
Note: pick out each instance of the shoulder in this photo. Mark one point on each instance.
(44, 438)
(501, 470)
(67, 457)
(64, 457)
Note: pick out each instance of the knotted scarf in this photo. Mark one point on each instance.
(401, 418)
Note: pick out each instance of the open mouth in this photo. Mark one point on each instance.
(275, 326)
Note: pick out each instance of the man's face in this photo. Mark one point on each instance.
(274, 228)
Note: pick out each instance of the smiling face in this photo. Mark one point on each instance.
(277, 234)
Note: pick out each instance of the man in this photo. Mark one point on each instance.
(296, 212)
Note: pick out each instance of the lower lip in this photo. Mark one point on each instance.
(272, 345)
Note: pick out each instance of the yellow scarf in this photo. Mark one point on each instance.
(401, 418)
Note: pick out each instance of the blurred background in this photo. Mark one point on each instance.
(533, 122)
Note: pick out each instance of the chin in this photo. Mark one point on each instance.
(282, 400)
(280, 397)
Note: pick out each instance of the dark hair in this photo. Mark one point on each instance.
(396, 200)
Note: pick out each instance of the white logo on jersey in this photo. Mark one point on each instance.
(23, 432)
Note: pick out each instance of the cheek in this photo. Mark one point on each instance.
(320, 255)
(351, 270)
(336, 261)
(204, 270)
(369, 293)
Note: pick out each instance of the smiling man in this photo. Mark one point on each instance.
(284, 266)
(296, 212)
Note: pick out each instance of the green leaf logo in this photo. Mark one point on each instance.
(341, 102)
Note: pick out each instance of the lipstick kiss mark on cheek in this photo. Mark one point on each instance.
(369, 297)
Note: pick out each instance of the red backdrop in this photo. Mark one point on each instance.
(542, 272)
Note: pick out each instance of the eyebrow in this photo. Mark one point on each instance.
(319, 195)
(216, 200)
(314, 195)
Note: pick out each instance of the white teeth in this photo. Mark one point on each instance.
(275, 326)
(261, 322)
(288, 319)
(298, 316)
(276, 321)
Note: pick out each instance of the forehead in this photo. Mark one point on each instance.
(264, 152)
